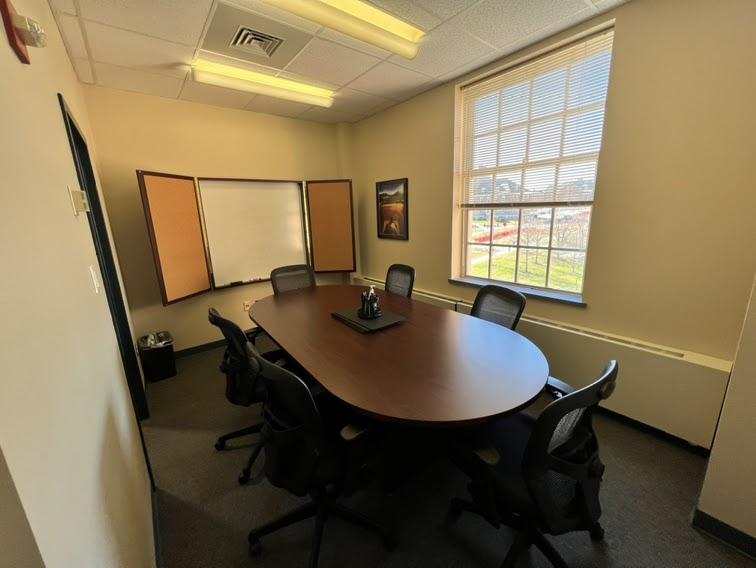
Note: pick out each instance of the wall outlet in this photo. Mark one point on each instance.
(247, 305)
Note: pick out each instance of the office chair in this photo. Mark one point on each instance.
(539, 476)
(303, 455)
(292, 277)
(400, 279)
(499, 304)
(242, 386)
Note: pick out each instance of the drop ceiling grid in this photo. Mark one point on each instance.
(150, 45)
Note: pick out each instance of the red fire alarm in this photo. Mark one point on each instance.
(14, 37)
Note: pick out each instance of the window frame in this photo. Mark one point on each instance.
(460, 234)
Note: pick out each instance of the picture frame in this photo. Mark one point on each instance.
(392, 209)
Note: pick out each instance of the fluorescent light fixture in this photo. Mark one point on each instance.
(230, 77)
(359, 20)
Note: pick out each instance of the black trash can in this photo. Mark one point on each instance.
(156, 355)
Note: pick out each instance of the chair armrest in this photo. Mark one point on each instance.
(352, 432)
(277, 357)
(475, 452)
(559, 388)
(488, 455)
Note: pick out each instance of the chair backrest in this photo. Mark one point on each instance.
(235, 337)
(499, 304)
(292, 277)
(561, 465)
(293, 436)
(400, 279)
(242, 386)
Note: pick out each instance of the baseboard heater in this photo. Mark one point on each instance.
(676, 391)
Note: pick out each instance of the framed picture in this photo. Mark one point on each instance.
(392, 209)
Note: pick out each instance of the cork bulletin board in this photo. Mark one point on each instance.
(175, 229)
(329, 205)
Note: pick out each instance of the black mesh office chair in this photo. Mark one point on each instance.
(292, 277)
(400, 279)
(303, 455)
(539, 476)
(242, 386)
(499, 304)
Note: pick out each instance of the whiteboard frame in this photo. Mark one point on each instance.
(305, 223)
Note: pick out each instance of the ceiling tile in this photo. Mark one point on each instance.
(179, 21)
(138, 81)
(445, 9)
(503, 22)
(308, 80)
(277, 14)
(226, 60)
(549, 30)
(390, 81)
(212, 95)
(444, 49)
(410, 12)
(129, 49)
(607, 4)
(349, 41)
(280, 107)
(83, 70)
(63, 6)
(356, 102)
(330, 62)
(468, 67)
(320, 114)
(71, 32)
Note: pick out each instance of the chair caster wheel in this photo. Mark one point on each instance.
(452, 516)
(220, 446)
(255, 548)
(597, 532)
(243, 477)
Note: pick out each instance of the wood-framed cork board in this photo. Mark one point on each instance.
(329, 205)
(174, 225)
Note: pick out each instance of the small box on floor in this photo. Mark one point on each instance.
(157, 357)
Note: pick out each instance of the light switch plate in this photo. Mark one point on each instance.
(79, 201)
(95, 279)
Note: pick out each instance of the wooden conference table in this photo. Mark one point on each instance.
(436, 368)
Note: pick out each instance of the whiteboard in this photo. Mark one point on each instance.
(252, 227)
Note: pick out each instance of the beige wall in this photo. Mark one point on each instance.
(67, 429)
(671, 252)
(136, 131)
(729, 490)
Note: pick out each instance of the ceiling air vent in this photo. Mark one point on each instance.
(255, 42)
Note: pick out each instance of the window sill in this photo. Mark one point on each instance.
(538, 293)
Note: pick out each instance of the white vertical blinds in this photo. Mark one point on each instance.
(533, 133)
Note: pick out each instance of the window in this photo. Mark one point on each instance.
(530, 141)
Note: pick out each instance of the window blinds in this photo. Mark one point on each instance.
(532, 134)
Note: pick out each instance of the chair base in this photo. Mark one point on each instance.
(320, 507)
(220, 445)
(527, 535)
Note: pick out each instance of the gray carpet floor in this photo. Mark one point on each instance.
(649, 493)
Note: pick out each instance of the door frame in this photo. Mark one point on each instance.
(106, 260)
